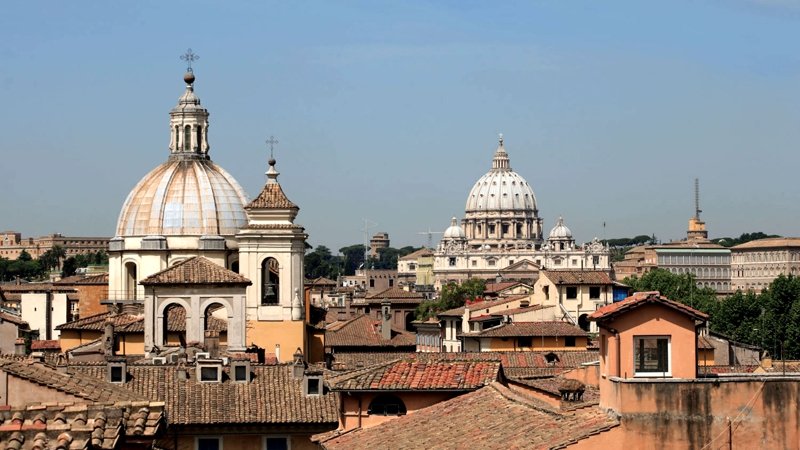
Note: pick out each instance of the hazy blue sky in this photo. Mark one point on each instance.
(390, 110)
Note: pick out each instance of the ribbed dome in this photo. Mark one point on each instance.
(454, 231)
(501, 189)
(191, 196)
(560, 231)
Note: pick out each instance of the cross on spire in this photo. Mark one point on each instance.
(189, 57)
(271, 142)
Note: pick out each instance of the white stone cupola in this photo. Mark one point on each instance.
(271, 251)
(188, 123)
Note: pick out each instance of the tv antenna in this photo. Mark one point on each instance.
(430, 234)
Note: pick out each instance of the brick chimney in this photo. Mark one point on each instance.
(108, 338)
(19, 347)
(386, 319)
(298, 364)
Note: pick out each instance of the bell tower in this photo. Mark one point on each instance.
(271, 251)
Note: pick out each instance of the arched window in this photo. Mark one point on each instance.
(174, 326)
(386, 405)
(199, 138)
(177, 138)
(583, 322)
(270, 282)
(187, 137)
(130, 281)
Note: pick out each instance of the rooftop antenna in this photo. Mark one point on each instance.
(430, 234)
(367, 225)
(697, 209)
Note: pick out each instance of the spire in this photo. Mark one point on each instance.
(500, 162)
(188, 119)
(272, 174)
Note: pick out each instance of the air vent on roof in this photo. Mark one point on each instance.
(159, 360)
(202, 355)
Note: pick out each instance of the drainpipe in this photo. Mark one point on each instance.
(359, 411)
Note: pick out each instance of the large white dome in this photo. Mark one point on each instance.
(501, 189)
(182, 197)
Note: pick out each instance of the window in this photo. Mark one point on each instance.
(187, 137)
(595, 260)
(270, 282)
(572, 292)
(240, 373)
(594, 292)
(492, 262)
(569, 341)
(313, 386)
(117, 374)
(277, 443)
(474, 263)
(525, 341)
(372, 282)
(386, 405)
(452, 262)
(491, 228)
(391, 282)
(505, 229)
(551, 358)
(208, 374)
(412, 266)
(546, 290)
(208, 443)
(651, 356)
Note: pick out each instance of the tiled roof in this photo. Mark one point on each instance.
(393, 294)
(704, 343)
(769, 243)
(458, 312)
(79, 426)
(33, 287)
(643, 298)
(272, 397)
(419, 375)
(491, 417)
(551, 385)
(578, 276)
(494, 288)
(93, 389)
(46, 345)
(521, 310)
(524, 363)
(195, 270)
(271, 196)
(13, 318)
(101, 278)
(129, 323)
(364, 331)
(321, 281)
(513, 329)
(421, 253)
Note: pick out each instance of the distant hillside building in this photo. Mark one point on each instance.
(378, 242)
(12, 244)
(708, 262)
(755, 264)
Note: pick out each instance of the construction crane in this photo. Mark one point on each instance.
(430, 234)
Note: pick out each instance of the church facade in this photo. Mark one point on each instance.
(501, 235)
(189, 208)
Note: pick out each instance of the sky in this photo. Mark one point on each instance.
(389, 111)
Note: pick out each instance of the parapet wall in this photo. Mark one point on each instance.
(726, 412)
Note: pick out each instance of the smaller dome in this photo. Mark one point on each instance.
(560, 231)
(454, 231)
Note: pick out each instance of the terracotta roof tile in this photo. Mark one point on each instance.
(479, 305)
(13, 318)
(195, 270)
(94, 389)
(45, 345)
(578, 276)
(421, 253)
(643, 298)
(272, 397)
(419, 375)
(393, 294)
(271, 197)
(513, 329)
(364, 331)
(491, 417)
(769, 243)
(77, 425)
(494, 288)
(131, 323)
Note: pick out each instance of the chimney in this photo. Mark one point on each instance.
(108, 338)
(386, 316)
(465, 320)
(298, 364)
(212, 342)
(19, 347)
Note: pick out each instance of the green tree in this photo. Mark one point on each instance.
(781, 317)
(739, 317)
(353, 256)
(70, 266)
(452, 296)
(680, 287)
(321, 263)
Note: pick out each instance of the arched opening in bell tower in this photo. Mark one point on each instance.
(270, 281)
